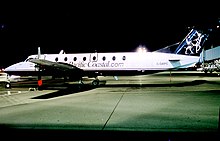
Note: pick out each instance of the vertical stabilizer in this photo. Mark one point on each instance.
(192, 44)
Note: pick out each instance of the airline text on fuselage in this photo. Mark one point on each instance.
(98, 64)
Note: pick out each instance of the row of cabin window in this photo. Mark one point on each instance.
(94, 58)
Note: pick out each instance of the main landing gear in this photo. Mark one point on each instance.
(93, 83)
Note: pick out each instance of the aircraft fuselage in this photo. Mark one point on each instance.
(112, 63)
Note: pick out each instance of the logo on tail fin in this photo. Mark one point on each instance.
(192, 44)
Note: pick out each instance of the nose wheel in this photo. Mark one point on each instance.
(7, 85)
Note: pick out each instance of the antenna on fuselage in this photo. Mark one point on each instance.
(62, 52)
(38, 52)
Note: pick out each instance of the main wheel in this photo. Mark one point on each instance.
(95, 82)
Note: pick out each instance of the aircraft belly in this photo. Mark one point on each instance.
(119, 72)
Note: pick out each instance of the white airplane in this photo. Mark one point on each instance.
(77, 65)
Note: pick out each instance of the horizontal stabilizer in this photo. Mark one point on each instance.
(174, 60)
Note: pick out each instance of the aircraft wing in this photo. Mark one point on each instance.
(55, 65)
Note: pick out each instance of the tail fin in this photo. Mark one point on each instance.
(192, 43)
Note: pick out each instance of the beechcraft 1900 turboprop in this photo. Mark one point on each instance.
(78, 65)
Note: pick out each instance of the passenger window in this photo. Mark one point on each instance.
(123, 58)
(74, 59)
(56, 59)
(65, 59)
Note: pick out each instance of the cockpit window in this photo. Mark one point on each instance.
(28, 59)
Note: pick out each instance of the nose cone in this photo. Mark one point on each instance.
(21, 66)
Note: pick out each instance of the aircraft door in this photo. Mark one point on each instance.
(94, 57)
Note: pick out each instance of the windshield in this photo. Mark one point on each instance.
(28, 59)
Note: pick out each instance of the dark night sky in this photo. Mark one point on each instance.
(102, 27)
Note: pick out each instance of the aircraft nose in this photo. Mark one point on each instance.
(21, 66)
(9, 68)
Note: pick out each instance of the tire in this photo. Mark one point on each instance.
(95, 82)
(7, 85)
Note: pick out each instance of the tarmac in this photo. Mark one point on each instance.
(178, 105)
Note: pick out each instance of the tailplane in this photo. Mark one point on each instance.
(192, 44)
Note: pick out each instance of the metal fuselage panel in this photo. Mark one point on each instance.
(110, 63)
